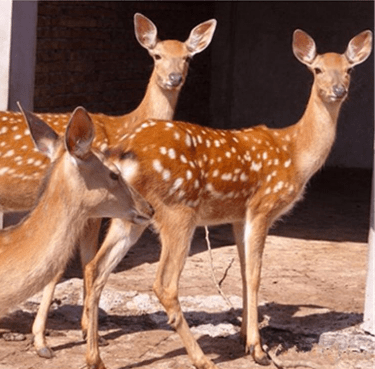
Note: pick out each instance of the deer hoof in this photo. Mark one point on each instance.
(264, 360)
(45, 352)
(96, 366)
(259, 356)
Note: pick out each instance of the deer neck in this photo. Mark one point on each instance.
(34, 252)
(158, 103)
(57, 217)
(315, 134)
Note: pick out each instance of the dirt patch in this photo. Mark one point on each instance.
(312, 295)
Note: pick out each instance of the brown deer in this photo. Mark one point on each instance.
(80, 184)
(171, 61)
(196, 176)
(23, 169)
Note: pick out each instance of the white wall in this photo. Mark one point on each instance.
(22, 56)
(18, 21)
(5, 31)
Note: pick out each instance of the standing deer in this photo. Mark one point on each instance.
(195, 176)
(23, 169)
(79, 185)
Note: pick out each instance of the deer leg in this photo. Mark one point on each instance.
(88, 246)
(176, 234)
(238, 231)
(40, 321)
(255, 236)
(120, 237)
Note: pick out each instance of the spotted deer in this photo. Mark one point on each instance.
(198, 176)
(80, 184)
(171, 61)
(23, 168)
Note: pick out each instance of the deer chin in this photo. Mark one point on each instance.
(335, 99)
(170, 86)
(330, 98)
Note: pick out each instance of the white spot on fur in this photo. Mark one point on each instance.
(177, 184)
(243, 177)
(256, 166)
(188, 140)
(156, 164)
(129, 169)
(287, 163)
(172, 153)
(226, 176)
(166, 175)
(8, 153)
(210, 187)
(3, 170)
(278, 186)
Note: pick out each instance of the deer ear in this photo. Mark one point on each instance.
(145, 31)
(304, 47)
(44, 137)
(200, 37)
(79, 133)
(359, 48)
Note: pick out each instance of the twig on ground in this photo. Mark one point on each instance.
(282, 364)
(226, 272)
(213, 272)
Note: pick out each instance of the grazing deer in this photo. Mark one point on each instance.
(195, 176)
(80, 184)
(20, 168)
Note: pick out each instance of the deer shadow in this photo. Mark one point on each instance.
(298, 326)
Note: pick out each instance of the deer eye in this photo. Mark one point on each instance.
(188, 59)
(349, 70)
(317, 70)
(114, 176)
(157, 57)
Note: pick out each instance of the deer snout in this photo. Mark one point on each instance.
(175, 79)
(340, 91)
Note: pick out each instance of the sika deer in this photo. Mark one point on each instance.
(171, 61)
(79, 185)
(20, 168)
(196, 176)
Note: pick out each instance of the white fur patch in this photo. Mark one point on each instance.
(129, 169)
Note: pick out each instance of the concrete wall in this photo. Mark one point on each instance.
(256, 78)
(22, 56)
(5, 31)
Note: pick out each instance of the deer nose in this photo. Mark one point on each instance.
(175, 79)
(339, 91)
